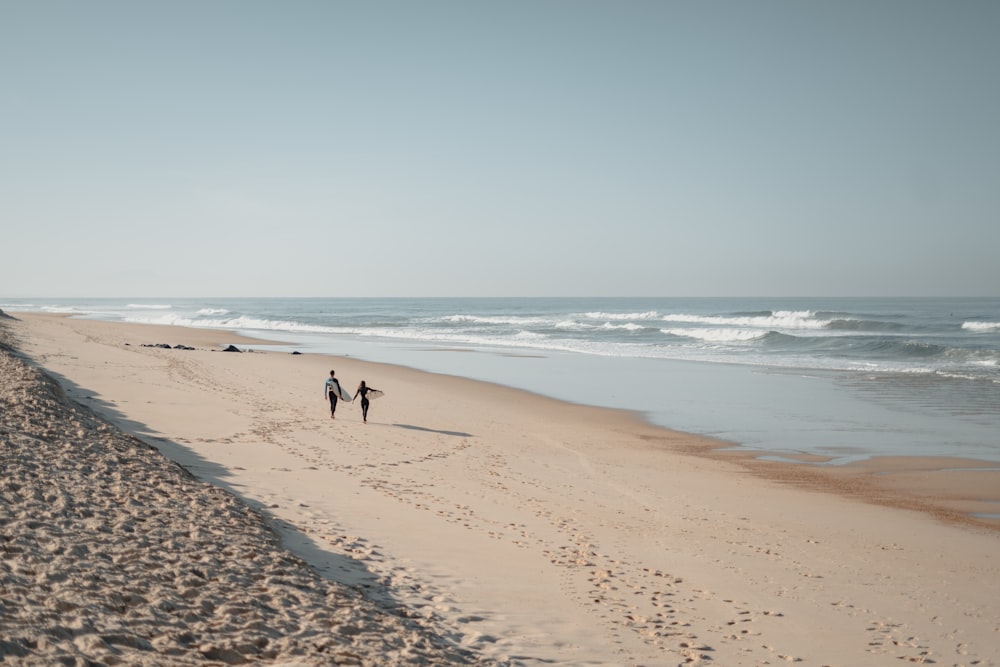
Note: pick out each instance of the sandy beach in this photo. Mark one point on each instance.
(465, 523)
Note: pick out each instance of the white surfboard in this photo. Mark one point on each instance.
(342, 393)
(375, 393)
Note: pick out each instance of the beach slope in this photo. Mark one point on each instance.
(110, 553)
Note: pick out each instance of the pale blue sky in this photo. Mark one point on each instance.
(247, 148)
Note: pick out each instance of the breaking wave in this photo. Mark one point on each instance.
(981, 326)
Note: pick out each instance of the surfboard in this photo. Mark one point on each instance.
(375, 393)
(342, 393)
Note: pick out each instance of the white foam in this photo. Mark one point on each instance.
(611, 325)
(573, 325)
(718, 335)
(63, 309)
(648, 315)
(630, 326)
(150, 306)
(781, 319)
(481, 319)
(981, 326)
(236, 323)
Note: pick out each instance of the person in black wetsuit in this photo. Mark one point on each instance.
(363, 390)
(332, 391)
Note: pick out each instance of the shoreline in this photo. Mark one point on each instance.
(543, 529)
(955, 489)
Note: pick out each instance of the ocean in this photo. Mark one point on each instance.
(845, 378)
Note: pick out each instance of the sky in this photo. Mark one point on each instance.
(518, 148)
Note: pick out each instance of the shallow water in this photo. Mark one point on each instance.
(827, 413)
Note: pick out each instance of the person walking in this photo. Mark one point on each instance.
(363, 390)
(331, 390)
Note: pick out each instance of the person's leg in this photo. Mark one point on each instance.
(333, 403)
(364, 409)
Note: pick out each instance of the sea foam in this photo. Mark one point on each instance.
(718, 335)
(981, 326)
(782, 319)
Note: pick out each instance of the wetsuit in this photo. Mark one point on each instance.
(332, 389)
(364, 401)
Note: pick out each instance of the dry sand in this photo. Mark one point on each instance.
(471, 516)
(112, 554)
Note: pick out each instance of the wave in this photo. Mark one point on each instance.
(235, 323)
(753, 313)
(485, 319)
(212, 311)
(718, 335)
(63, 309)
(885, 348)
(890, 349)
(789, 320)
(980, 327)
(603, 321)
(863, 325)
(631, 326)
(765, 348)
(573, 325)
(859, 347)
(150, 306)
(648, 315)
(764, 320)
(780, 319)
